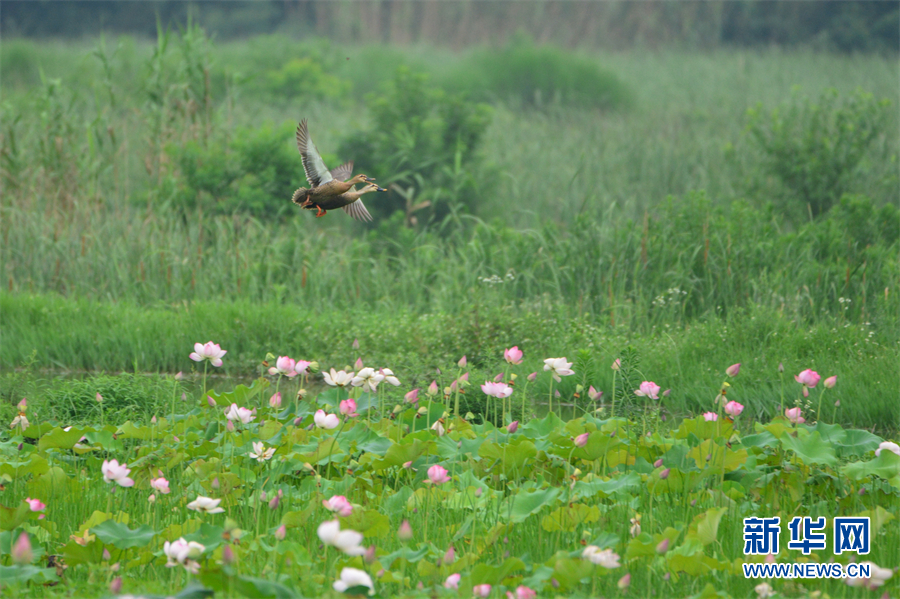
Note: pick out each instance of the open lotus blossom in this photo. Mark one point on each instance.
(339, 505)
(260, 453)
(209, 351)
(438, 474)
(236, 414)
(36, 505)
(21, 551)
(114, 472)
(284, 366)
(351, 577)
(206, 505)
(412, 396)
(481, 590)
(764, 590)
(438, 427)
(710, 416)
(452, 581)
(888, 445)
(348, 408)
(733, 408)
(605, 557)
(19, 421)
(558, 367)
(793, 414)
(389, 377)
(338, 378)
(368, 379)
(275, 400)
(877, 577)
(513, 355)
(733, 370)
(498, 390)
(326, 421)
(161, 485)
(348, 541)
(808, 378)
(648, 389)
(183, 553)
(302, 367)
(830, 382)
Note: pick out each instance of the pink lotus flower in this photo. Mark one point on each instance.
(617, 364)
(412, 396)
(830, 382)
(438, 475)
(21, 551)
(452, 581)
(558, 367)
(513, 427)
(449, 556)
(624, 582)
(22, 405)
(808, 378)
(888, 445)
(531, 377)
(116, 585)
(358, 365)
(793, 414)
(36, 505)
(260, 453)
(348, 408)
(498, 390)
(581, 440)
(733, 369)
(355, 344)
(210, 351)
(522, 592)
(593, 394)
(710, 416)
(464, 379)
(405, 533)
(462, 362)
(326, 421)
(113, 472)
(161, 485)
(281, 532)
(99, 398)
(663, 546)
(339, 505)
(432, 388)
(665, 474)
(236, 414)
(513, 355)
(648, 389)
(302, 367)
(733, 409)
(227, 555)
(481, 590)
(275, 400)
(284, 366)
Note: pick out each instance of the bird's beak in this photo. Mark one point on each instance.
(380, 188)
(369, 179)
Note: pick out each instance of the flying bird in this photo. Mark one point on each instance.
(328, 190)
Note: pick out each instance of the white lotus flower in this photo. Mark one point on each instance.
(114, 472)
(260, 453)
(606, 557)
(389, 377)
(326, 421)
(239, 414)
(348, 541)
(351, 577)
(559, 367)
(209, 351)
(368, 379)
(889, 446)
(338, 378)
(206, 504)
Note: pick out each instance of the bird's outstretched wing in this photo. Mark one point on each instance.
(343, 172)
(316, 171)
(358, 211)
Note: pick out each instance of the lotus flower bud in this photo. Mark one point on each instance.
(532, 376)
(210, 401)
(462, 362)
(658, 463)
(449, 556)
(581, 440)
(405, 533)
(663, 546)
(664, 474)
(281, 532)
(228, 555)
(116, 585)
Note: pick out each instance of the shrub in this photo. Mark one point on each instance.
(539, 75)
(813, 147)
(424, 142)
(256, 171)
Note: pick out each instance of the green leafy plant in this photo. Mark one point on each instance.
(814, 146)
